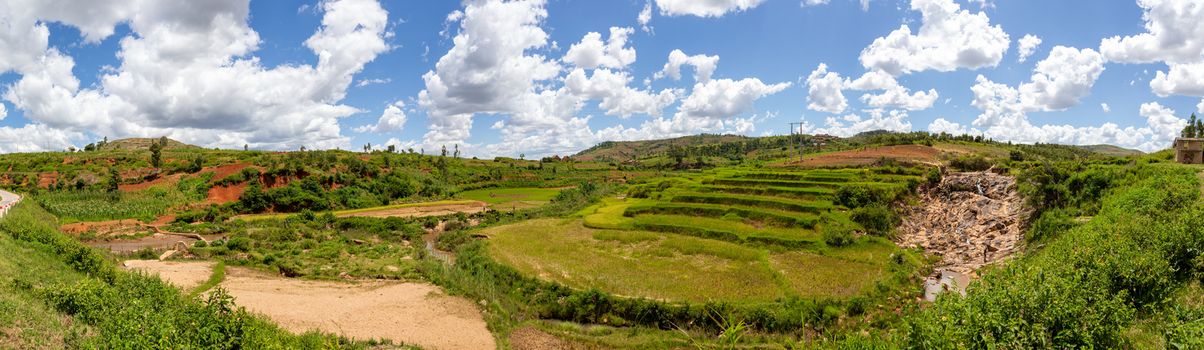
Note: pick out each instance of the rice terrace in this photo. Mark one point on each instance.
(506, 174)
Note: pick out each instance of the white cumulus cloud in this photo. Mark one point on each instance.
(393, 119)
(704, 66)
(1027, 45)
(949, 38)
(825, 91)
(189, 72)
(704, 8)
(592, 53)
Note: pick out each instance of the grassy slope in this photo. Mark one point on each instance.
(62, 294)
(26, 322)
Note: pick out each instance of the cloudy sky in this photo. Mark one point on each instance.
(553, 77)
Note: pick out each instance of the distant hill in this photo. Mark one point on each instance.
(135, 144)
(625, 150)
(1111, 150)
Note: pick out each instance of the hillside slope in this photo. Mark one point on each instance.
(142, 143)
(626, 150)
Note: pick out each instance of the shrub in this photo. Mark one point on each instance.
(970, 163)
(837, 235)
(877, 219)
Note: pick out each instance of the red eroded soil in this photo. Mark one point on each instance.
(47, 179)
(103, 228)
(868, 156)
(222, 195)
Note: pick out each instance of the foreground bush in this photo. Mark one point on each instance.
(1089, 283)
(134, 311)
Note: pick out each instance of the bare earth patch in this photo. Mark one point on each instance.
(531, 338)
(411, 313)
(422, 211)
(182, 274)
(869, 156)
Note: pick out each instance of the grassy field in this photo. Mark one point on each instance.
(511, 198)
(758, 237)
(673, 267)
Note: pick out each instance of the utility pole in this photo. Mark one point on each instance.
(796, 139)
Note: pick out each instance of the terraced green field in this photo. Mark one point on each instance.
(745, 235)
(661, 266)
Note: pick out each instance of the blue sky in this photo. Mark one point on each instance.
(233, 72)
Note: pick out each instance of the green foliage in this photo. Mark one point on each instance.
(1089, 283)
(877, 219)
(837, 235)
(970, 163)
(130, 310)
(99, 206)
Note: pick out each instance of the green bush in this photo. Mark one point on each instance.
(837, 235)
(877, 219)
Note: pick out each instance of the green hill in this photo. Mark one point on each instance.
(627, 150)
(142, 143)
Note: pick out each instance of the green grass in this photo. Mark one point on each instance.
(760, 215)
(670, 267)
(26, 321)
(798, 206)
(63, 294)
(100, 206)
(826, 276)
(509, 198)
(736, 228)
(219, 274)
(788, 192)
(609, 213)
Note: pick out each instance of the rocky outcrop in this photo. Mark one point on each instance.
(969, 220)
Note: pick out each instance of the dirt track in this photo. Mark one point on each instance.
(412, 313)
(182, 274)
(423, 211)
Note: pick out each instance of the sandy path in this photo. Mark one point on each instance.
(423, 211)
(183, 274)
(411, 313)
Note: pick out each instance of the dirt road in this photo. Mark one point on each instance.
(412, 313)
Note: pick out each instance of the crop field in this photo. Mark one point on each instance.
(673, 267)
(511, 198)
(741, 235)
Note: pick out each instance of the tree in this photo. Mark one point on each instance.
(392, 148)
(443, 153)
(156, 149)
(163, 141)
(457, 153)
(1191, 130)
(1199, 126)
(114, 180)
(197, 164)
(246, 147)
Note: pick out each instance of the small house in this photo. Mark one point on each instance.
(1189, 150)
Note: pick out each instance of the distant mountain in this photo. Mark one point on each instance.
(626, 150)
(1111, 150)
(137, 144)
